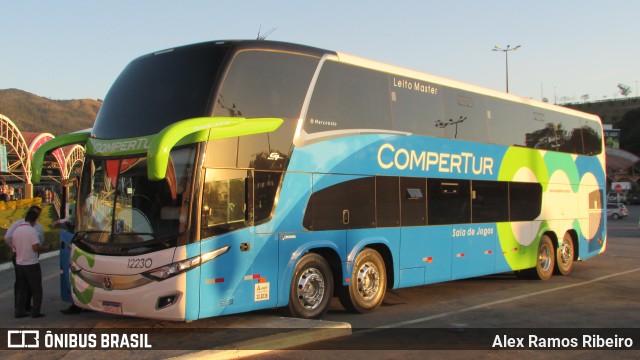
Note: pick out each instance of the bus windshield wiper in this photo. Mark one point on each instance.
(165, 240)
(81, 235)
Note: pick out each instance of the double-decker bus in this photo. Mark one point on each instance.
(231, 176)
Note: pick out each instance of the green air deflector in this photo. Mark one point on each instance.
(204, 128)
(63, 140)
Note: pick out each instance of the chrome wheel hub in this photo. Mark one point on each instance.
(368, 281)
(544, 259)
(311, 288)
(566, 254)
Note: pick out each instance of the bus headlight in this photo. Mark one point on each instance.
(179, 267)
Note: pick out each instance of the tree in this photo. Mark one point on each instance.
(585, 97)
(625, 90)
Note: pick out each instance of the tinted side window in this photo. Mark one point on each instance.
(416, 106)
(225, 201)
(346, 205)
(348, 97)
(490, 201)
(265, 84)
(270, 151)
(253, 151)
(280, 144)
(505, 122)
(540, 133)
(265, 188)
(525, 201)
(449, 201)
(413, 196)
(516, 124)
(568, 134)
(591, 137)
(465, 117)
(390, 201)
(387, 201)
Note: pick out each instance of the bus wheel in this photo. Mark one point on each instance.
(545, 262)
(546, 259)
(311, 287)
(368, 283)
(564, 255)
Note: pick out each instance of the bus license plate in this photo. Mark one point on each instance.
(112, 307)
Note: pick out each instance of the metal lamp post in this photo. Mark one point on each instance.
(506, 58)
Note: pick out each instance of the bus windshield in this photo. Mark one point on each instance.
(119, 206)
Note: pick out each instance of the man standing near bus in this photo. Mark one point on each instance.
(26, 245)
(9, 239)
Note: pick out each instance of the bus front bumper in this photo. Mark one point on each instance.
(162, 300)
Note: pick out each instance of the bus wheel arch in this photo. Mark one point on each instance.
(566, 253)
(311, 287)
(384, 251)
(333, 259)
(369, 281)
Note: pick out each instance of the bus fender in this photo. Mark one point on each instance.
(283, 292)
(372, 242)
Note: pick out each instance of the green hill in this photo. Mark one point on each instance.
(32, 113)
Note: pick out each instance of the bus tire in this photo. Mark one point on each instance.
(368, 283)
(311, 287)
(545, 260)
(565, 255)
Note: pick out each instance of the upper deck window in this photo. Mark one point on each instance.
(349, 97)
(260, 84)
(265, 84)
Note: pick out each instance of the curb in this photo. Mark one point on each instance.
(273, 342)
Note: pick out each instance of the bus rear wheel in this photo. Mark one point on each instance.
(311, 287)
(545, 260)
(565, 255)
(368, 283)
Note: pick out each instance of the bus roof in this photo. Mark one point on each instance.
(241, 45)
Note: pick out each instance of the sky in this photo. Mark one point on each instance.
(74, 49)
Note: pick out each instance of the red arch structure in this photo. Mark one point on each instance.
(74, 156)
(20, 147)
